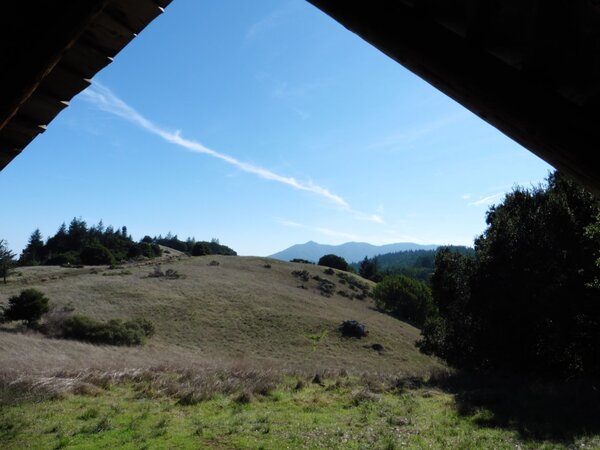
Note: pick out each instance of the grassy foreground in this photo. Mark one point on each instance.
(252, 409)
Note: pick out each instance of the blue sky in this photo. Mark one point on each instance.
(263, 124)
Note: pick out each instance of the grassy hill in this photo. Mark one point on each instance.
(236, 311)
(248, 355)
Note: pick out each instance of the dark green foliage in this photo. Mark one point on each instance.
(193, 247)
(405, 298)
(302, 274)
(33, 253)
(417, 264)
(326, 287)
(333, 261)
(64, 259)
(29, 306)
(355, 285)
(300, 260)
(352, 328)
(369, 269)
(329, 271)
(79, 243)
(449, 333)
(96, 254)
(6, 260)
(113, 332)
(200, 249)
(529, 300)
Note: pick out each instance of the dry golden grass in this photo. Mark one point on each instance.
(237, 312)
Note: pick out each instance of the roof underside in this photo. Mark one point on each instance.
(531, 68)
(51, 50)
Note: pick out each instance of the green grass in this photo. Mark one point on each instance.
(231, 366)
(343, 414)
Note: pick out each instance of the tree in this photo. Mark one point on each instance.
(333, 261)
(529, 300)
(96, 254)
(6, 259)
(32, 255)
(29, 306)
(369, 269)
(200, 249)
(405, 298)
(448, 331)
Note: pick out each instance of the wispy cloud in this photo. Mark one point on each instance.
(420, 131)
(321, 230)
(485, 201)
(270, 21)
(104, 99)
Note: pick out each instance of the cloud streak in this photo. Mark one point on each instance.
(104, 99)
(322, 230)
(487, 200)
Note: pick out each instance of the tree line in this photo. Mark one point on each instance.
(78, 244)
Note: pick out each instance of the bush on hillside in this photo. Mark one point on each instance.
(352, 328)
(113, 332)
(144, 249)
(96, 255)
(300, 260)
(29, 306)
(333, 261)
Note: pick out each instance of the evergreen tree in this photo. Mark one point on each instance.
(33, 254)
(7, 260)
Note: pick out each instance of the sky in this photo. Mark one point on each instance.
(263, 124)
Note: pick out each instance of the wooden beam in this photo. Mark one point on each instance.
(33, 40)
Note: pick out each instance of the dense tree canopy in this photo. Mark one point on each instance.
(333, 261)
(528, 300)
(404, 297)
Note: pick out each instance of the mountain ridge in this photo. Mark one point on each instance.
(350, 251)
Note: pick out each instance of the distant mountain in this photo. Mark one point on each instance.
(350, 251)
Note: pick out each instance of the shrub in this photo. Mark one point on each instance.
(333, 261)
(327, 288)
(302, 274)
(300, 260)
(29, 306)
(113, 332)
(67, 258)
(96, 255)
(352, 328)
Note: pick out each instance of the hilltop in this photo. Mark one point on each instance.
(222, 309)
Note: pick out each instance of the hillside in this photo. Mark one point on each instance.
(350, 251)
(238, 311)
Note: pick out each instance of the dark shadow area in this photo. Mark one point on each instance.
(536, 409)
